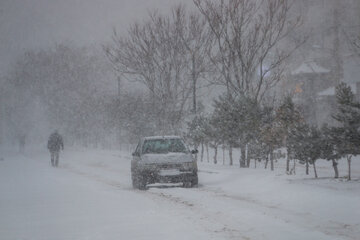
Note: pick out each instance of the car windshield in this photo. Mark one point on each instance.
(163, 146)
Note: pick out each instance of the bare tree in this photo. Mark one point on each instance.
(153, 53)
(247, 35)
(191, 28)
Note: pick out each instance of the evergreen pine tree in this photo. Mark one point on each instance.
(257, 151)
(224, 118)
(270, 134)
(197, 132)
(287, 116)
(297, 143)
(215, 135)
(237, 118)
(348, 132)
(313, 147)
(328, 147)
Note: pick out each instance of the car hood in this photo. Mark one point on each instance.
(166, 158)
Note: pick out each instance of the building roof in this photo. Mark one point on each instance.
(309, 67)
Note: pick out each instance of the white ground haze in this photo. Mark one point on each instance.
(90, 197)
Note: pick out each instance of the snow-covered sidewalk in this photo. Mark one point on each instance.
(43, 203)
(90, 197)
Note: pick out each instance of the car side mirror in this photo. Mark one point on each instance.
(135, 154)
(195, 151)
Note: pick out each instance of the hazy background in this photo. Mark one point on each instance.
(51, 57)
(35, 24)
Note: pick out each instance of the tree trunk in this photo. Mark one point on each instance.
(207, 152)
(230, 155)
(247, 157)
(348, 157)
(293, 169)
(307, 167)
(267, 160)
(223, 149)
(215, 155)
(316, 176)
(335, 168)
(194, 84)
(287, 162)
(255, 162)
(272, 160)
(334, 163)
(202, 152)
(196, 155)
(242, 158)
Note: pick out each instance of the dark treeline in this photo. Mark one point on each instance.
(258, 130)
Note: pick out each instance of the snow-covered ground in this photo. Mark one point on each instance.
(90, 197)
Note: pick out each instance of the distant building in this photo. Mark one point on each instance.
(313, 90)
(326, 58)
(306, 81)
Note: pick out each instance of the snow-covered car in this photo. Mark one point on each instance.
(163, 159)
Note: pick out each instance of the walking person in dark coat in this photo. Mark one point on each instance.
(55, 142)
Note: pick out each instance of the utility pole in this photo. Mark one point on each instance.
(1, 123)
(194, 83)
(118, 115)
(2, 118)
(337, 54)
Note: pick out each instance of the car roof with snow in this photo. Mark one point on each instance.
(161, 137)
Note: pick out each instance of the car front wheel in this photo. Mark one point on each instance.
(138, 182)
(191, 182)
(195, 181)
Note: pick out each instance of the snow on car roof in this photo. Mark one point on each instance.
(161, 137)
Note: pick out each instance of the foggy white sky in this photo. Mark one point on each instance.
(27, 24)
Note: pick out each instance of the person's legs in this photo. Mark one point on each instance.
(57, 158)
(52, 158)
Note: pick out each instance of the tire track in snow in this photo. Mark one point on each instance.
(208, 221)
(287, 216)
(211, 218)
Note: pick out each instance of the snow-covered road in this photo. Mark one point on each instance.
(90, 197)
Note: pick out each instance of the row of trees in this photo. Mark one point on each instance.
(243, 123)
(260, 129)
(232, 43)
(235, 44)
